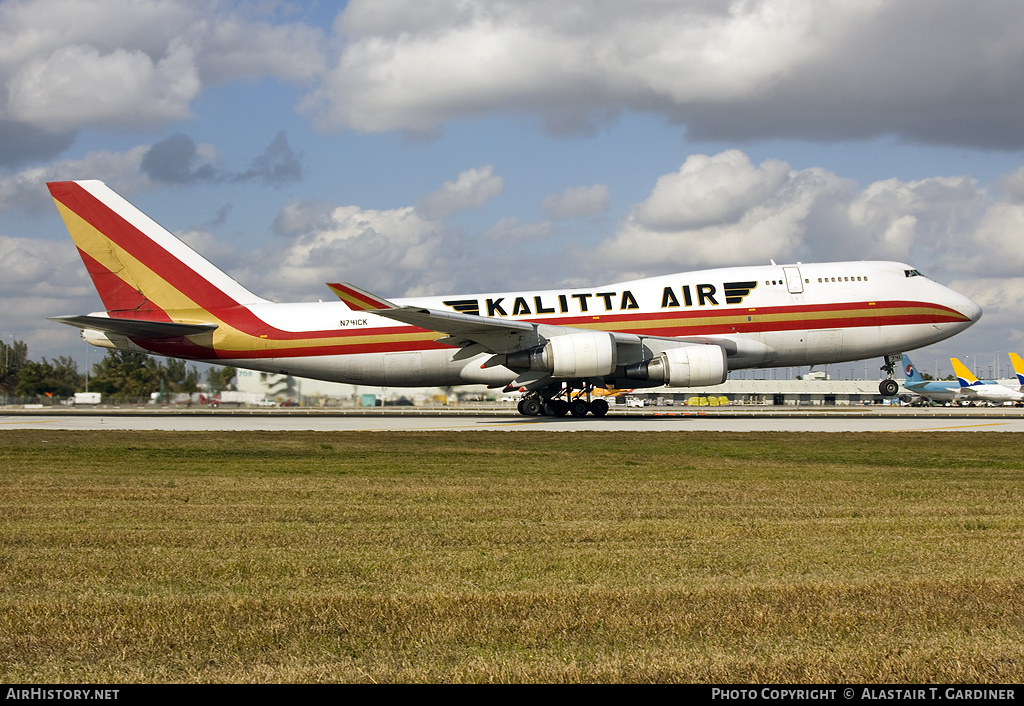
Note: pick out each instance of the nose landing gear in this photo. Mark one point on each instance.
(889, 387)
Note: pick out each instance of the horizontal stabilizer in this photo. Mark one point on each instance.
(135, 327)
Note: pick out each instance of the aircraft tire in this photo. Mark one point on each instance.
(888, 388)
(599, 408)
(532, 408)
(579, 408)
(556, 408)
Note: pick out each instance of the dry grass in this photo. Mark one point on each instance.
(655, 557)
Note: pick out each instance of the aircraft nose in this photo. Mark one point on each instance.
(969, 308)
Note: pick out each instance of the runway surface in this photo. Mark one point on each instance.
(748, 420)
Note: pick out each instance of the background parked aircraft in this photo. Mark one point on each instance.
(1018, 368)
(983, 391)
(937, 390)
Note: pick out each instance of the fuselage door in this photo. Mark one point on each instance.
(794, 282)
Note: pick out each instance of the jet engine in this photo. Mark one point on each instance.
(106, 339)
(686, 366)
(576, 355)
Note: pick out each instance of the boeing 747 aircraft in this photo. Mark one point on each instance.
(555, 346)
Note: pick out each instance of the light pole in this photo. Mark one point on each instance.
(7, 356)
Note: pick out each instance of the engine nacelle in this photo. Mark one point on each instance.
(576, 355)
(106, 339)
(686, 366)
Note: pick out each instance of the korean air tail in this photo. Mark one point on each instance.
(141, 271)
(913, 376)
(963, 375)
(1018, 368)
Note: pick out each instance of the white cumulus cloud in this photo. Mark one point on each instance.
(472, 188)
(724, 210)
(818, 69)
(116, 63)
(26, 190)
(577, 201)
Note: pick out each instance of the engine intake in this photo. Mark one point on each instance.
(686, 366)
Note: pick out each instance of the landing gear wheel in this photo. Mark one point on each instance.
(556, 408)
(599, 408)
(531, 407)
(888, 388)
(579, 408)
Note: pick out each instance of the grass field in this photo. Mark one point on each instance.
(473, 557)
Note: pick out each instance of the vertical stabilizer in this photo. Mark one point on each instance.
(1018, 369)
(913, 376)
(140, 270)
(963, 374)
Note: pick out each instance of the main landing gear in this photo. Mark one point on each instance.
(889, 387)
(559, 400)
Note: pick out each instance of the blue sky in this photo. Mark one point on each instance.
(440, 146)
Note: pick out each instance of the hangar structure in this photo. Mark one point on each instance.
(779, 392)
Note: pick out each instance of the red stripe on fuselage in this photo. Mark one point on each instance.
(870, 318)
(183, 348)
(760, 313)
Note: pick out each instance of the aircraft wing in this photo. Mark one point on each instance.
(134, 327)
(585, 354)
(472, 333)
(490, 334)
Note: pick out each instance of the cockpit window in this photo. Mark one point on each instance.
(912, 273)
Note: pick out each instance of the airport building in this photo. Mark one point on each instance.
(814, 389)
(775, 392)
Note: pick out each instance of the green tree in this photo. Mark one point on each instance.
(178, 376)
(13, 358)
(125, 375)
(57, 379)
(218, 379)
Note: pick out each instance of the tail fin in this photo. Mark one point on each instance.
(140, 270)
(1018, 368)
(963, 374)
(913, 376)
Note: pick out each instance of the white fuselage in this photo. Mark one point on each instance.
(764, 316)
